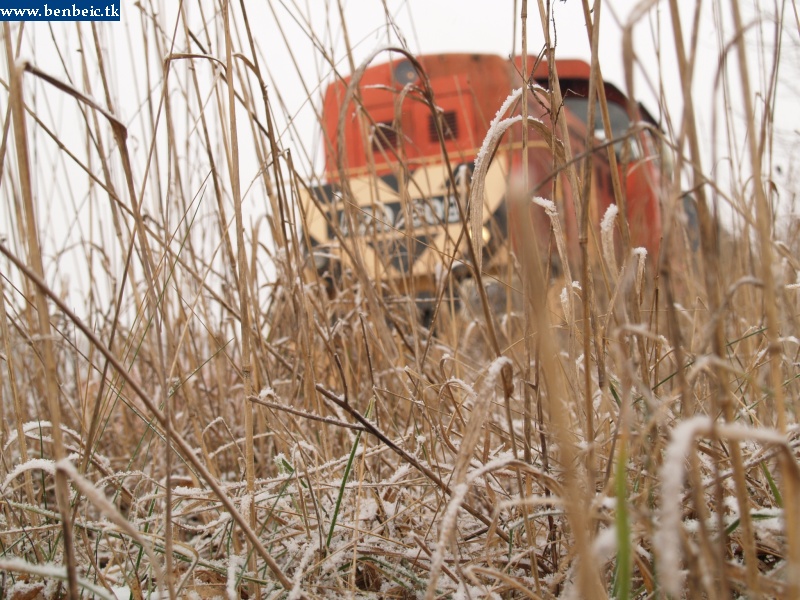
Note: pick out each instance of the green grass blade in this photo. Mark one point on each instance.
(622, 574)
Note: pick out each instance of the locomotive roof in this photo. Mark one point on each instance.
(396, 71)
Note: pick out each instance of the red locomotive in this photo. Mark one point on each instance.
(397, 169)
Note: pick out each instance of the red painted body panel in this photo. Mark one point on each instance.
(471, 85)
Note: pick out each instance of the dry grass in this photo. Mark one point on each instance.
(187, 413)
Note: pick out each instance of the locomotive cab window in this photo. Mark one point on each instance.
(625, 146)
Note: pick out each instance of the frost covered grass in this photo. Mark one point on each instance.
(188, 413)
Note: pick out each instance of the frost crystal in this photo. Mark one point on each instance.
(607, 224)
(668, 535)
(235, 562)
(548, 205)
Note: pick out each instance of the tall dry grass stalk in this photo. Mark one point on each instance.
(189, 412)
